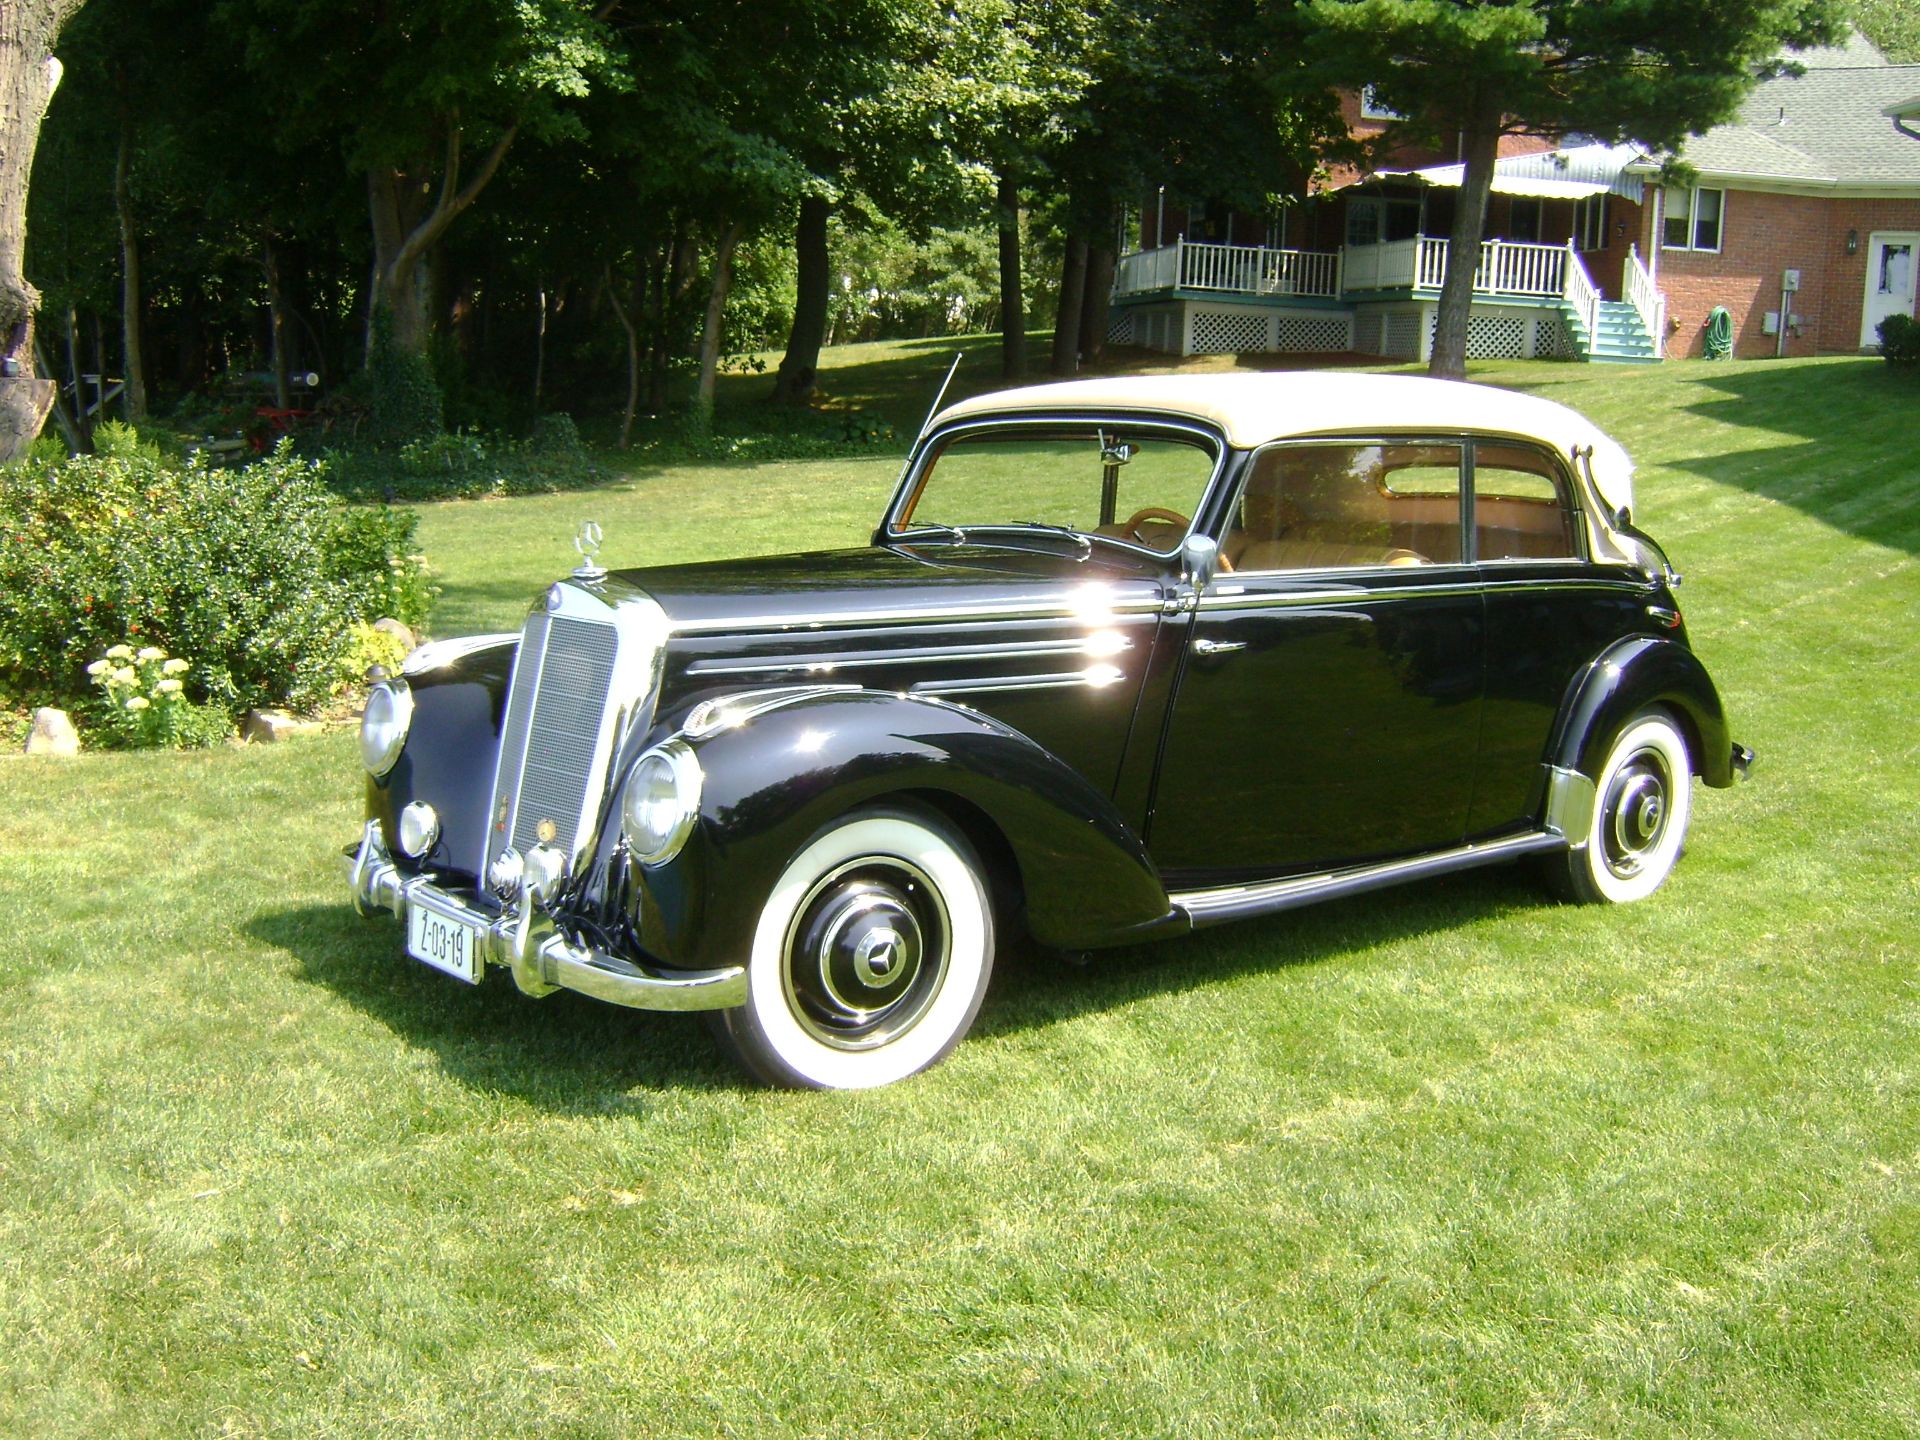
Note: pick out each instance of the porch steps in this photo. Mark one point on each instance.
(1622, 339)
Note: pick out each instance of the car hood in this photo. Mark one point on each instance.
(828, 587)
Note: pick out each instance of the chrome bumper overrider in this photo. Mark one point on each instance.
(525, 939)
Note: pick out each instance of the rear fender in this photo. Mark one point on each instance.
(775, 780)
(1626, 678)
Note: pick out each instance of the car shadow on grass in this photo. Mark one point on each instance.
(563, 1053)
(576, 1056)
(1042, 987)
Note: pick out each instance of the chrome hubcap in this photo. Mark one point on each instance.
(1636, 812)
(866, 953)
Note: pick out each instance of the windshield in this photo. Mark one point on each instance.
(1139, 486)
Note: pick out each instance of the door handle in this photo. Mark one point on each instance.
(1204, 646)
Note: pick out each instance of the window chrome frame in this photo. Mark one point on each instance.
(913, 479)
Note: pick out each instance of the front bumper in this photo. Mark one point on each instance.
(525, 939)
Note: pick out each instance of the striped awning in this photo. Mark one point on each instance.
(1569, 174)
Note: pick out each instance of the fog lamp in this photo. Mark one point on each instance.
(419, 829)
(662, 802)
(383, 728)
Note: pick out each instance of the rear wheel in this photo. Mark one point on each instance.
(1643, 799)
(871, 956)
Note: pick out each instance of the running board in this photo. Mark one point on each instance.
(1234, 902)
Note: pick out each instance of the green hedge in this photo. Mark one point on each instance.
(1900, 340)
(254, 576)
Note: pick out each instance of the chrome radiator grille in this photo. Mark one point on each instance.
(553, 747)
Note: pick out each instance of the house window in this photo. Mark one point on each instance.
(1372, 109)
(1523, 219)
(1590, 222)
(1693, 217)
(1374, 218)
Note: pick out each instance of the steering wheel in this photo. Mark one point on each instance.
(1152, 512)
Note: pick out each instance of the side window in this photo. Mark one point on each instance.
(1520, 506)
(1347, 505)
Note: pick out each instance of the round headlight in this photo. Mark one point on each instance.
(662, 802)
(383, 729)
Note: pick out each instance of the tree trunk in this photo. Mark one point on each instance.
(625, 318)
(800, 366)
(1482, 148)
(1073, 291)
(28, 73)
(406, 230)
(1013, 315)
(710, 330)
(540, 350)
(82, 419)
(130, 297)
(277, 322)
(1098, 303)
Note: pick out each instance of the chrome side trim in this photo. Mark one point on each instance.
(1230, 902)
(526, 940)
(1570, 802)
(1348, 594)
(1094, 677)
(729, 712)
(908, 615)
(929, 655)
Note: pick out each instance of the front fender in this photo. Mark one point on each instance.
(1629, 676)
(773, 782)
(458, 708)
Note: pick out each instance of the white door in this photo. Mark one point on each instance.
(1890, 282)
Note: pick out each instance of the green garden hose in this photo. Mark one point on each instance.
(1719, 333)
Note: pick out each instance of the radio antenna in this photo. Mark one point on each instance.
(927, 424)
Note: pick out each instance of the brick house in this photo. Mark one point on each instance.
(1587, 256)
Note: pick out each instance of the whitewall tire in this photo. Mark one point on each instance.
(1643, 798)
(870, 958)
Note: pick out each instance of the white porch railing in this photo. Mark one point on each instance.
(1230, 269)
(1637, 285)
(1581, 293)
(1506, 268)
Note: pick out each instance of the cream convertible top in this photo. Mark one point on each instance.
(1253, 409)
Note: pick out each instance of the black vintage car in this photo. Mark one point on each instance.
(1122, 658)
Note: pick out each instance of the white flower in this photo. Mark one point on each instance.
(167, 687)
(120, 652)
(124, 675)
(151, 652)
(138, 702)
(99, 667)
(174, 667)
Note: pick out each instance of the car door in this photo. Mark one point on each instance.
(1328, 707)
(1549, 612)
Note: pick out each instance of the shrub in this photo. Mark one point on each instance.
(143, 703)
(468, 464)
(257, 573)
(1900, 340)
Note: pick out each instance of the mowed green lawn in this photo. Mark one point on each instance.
(1451, 1160)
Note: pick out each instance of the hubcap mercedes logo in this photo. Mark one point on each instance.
(876, 955)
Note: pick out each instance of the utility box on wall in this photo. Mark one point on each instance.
(1789, 280)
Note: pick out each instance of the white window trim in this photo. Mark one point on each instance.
(1692, 193)
(1369, 110)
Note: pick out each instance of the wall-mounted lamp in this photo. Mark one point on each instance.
(1619, 227)
(1853, 242)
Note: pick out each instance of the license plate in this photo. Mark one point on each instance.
(445, 943)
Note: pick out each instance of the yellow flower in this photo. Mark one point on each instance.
(151, 652)
(138, 702)
(167, 687)
(120, 652)
(99, 667)
(124, 675)
(174, 667)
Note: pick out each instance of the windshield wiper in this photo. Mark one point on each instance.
(1067, 531)
(914, 535)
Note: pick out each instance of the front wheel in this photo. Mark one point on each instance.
(1642, 800)
(870, 959)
